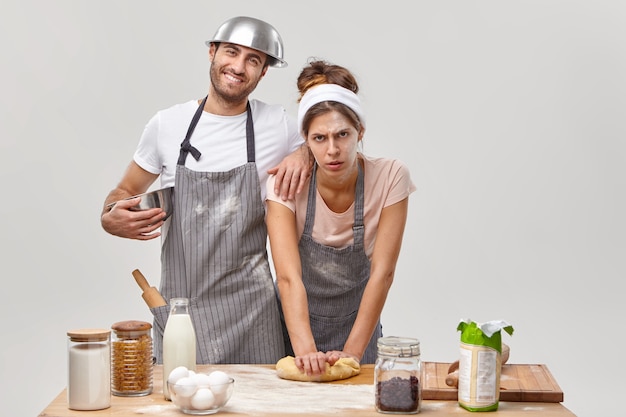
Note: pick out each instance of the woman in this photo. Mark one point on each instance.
(335, 246)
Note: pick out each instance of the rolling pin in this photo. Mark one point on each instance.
(150, 295)
(452, 380)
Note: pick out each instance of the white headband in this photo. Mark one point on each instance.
(329, 92)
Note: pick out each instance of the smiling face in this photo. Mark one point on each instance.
(333, 140)
(235, 71)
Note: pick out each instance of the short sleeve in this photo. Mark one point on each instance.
(401, 185)
(146, 155)
(272, 196)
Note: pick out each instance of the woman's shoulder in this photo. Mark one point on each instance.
(270, 194)
(383, 164)
(388, 174)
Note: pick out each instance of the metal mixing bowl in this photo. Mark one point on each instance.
(255, 34)
(154, 199)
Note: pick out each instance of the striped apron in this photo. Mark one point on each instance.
(215, 254)
(335, 280)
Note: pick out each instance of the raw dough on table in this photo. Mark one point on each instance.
(344, 368)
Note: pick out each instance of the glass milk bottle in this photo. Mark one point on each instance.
(89, 369)
(179, 340)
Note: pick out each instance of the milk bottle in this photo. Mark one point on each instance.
(179, 340)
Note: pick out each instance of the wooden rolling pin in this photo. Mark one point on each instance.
(452, 380)
(150, 295)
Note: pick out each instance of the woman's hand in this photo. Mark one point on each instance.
(313, 363)
(333, 356)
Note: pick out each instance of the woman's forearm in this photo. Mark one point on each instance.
(382, 270)
(296, 312)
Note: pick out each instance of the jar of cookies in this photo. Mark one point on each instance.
(397, 376)
(131, 359)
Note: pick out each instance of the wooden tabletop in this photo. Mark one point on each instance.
(259, 392)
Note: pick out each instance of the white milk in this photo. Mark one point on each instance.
(179, 346)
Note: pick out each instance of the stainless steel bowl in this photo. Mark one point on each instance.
(154, 199)
(255, 34)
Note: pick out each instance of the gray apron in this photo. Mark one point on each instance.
(215, 254)
(335, 280)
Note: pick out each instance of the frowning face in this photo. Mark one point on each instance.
(333, 140)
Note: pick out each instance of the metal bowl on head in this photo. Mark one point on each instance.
(154, 199)
(252, 33)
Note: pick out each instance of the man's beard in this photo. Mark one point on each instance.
(226, 94)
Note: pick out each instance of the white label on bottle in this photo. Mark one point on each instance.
(479, 376)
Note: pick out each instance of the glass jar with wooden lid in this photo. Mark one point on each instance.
(131, 358)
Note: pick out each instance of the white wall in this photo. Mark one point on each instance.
(510, 116)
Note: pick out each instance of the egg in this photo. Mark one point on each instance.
(177, 373)
(202, 380)
(218, 382)
(182, 402)
(220, 398)
(203, 399)
(185, 387)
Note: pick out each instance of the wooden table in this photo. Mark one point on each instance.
(259, 392)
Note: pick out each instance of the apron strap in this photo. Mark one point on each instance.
(250, 134)
(358, 227)
(185, 146)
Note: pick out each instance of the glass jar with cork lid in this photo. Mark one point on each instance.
(131, 359)
(89, 369)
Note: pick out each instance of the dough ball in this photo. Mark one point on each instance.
(344, 368)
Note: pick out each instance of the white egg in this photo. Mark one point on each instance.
(220, 398)
(218, 381)
(191, 373)
(203, 399)
(177, 373)
(182, 402)
(202, 380)
(185, 387)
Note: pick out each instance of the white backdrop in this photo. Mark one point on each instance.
(510, 116)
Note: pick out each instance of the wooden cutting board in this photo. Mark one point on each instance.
(518, 382)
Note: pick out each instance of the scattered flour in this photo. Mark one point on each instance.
(160, 410)
(259, 390)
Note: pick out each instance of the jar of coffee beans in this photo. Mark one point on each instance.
(397, 376)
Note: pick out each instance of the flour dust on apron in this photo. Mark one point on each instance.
(215, 254)
(335, 280)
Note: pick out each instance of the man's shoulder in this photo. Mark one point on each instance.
(264, 107)
(180, 107)
(175, 112)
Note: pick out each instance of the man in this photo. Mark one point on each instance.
(214, 244)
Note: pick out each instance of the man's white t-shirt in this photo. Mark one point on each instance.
(220, 139)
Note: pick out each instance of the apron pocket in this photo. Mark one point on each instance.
(160, 314)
